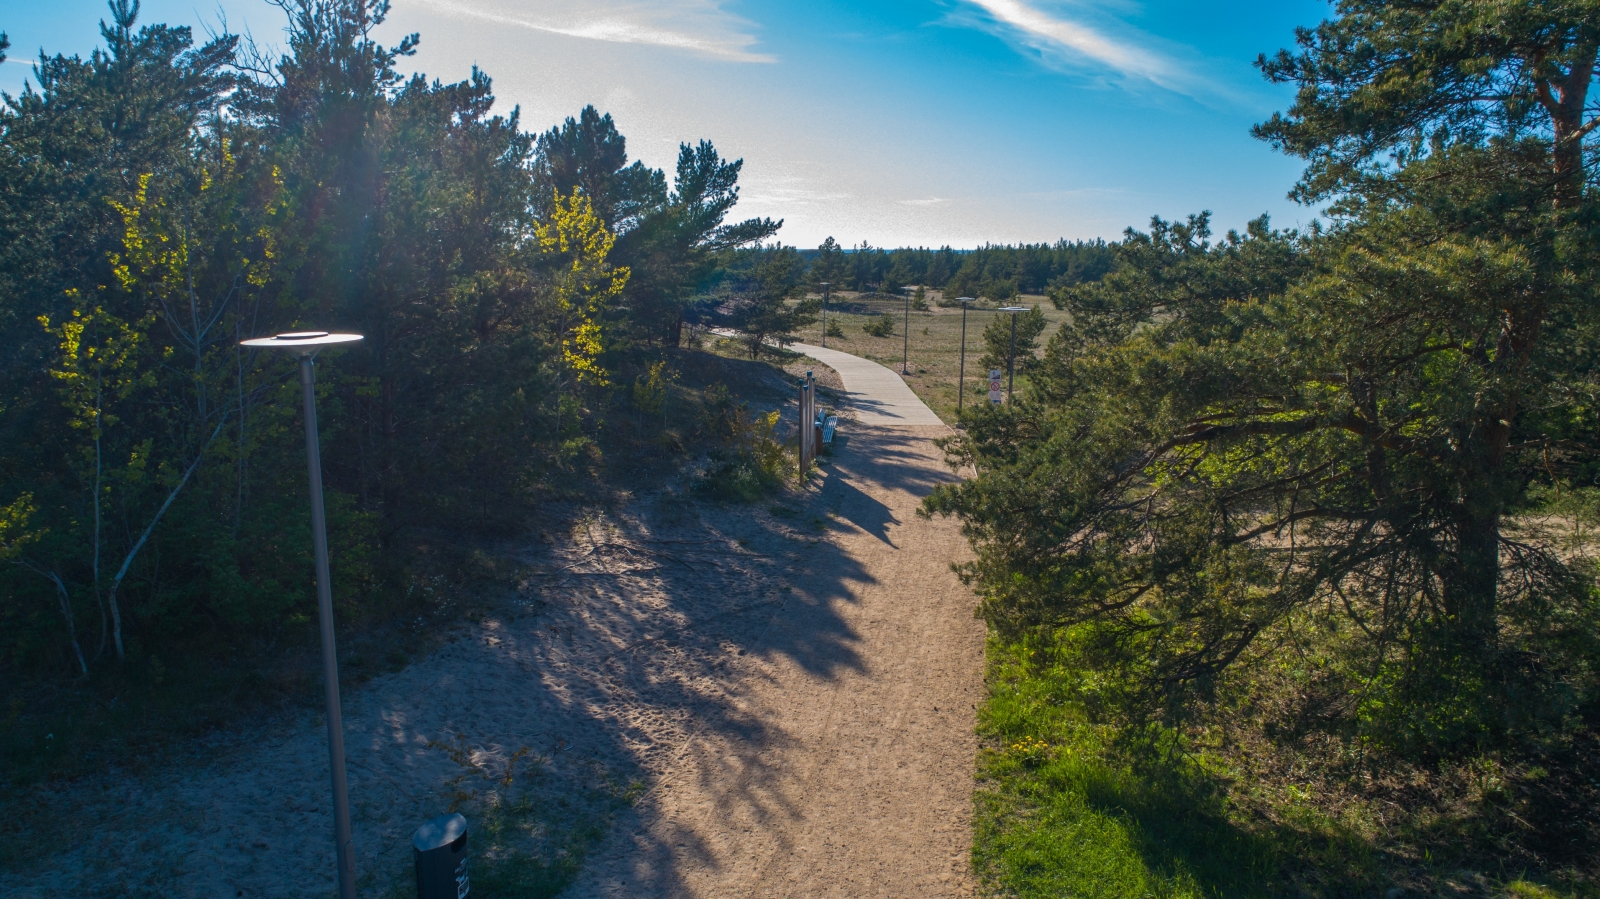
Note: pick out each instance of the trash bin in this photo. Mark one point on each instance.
(440, 849)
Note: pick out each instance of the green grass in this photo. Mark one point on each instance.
(534, 849)
(1058, 815)
(529, 834)
(1062, 811)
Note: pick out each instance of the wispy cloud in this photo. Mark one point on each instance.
(1072, 41)
(779, 194)
(701, 27)
(930, 201)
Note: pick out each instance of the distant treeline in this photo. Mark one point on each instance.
(992, 272)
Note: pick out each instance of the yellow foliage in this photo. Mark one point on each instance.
(585, 283)
(97, 359)
(157, 244)
(14, 533)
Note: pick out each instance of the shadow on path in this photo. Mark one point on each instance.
(767, 682)
(831, 766)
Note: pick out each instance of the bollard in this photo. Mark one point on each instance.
(440, 849)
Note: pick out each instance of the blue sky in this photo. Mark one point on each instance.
(918, 122)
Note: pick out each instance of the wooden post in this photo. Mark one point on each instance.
(811, 448)
(815, 427)
(804, 444)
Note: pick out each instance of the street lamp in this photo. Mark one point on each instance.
(961, 382)
(306, 344)
(1011, 364)
(905, 350)
(824, 313)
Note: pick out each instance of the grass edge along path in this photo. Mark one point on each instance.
(1059, 813)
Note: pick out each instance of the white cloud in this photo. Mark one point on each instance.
(930, 201)
(760, 192)
(1071, 41)
(701, 27)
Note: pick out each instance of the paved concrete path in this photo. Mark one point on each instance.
(880, 396)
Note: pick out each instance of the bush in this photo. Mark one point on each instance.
(749, 462)
(735, 477)
(880, 326)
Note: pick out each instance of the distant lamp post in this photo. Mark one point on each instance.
(961, 381)
(306, 344)
(824, 313)
(1011, 363)
(905, 350)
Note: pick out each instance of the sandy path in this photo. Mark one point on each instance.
(859, 782)
(799, 708)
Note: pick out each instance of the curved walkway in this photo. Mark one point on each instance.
(880, 396)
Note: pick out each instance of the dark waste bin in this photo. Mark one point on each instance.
(440, 848)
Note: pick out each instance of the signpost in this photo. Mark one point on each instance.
(807, 438)
(995, 384)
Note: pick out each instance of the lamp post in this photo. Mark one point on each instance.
(824, 313)
(306, 344)
(905, 350)
(1011, 363)
(961, 381)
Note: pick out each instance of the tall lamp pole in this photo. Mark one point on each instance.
(1011, 363)
(306, 344)
(824, 313)
(961, 381)
(905, 350)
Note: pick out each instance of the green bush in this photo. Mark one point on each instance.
(880, 326)
(749, 462)
(735, 477)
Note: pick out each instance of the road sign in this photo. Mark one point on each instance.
(994, 385)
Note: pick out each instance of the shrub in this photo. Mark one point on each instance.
(749, 461)
(880, 326)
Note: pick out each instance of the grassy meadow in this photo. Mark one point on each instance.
(935, 345)
(1068, 805)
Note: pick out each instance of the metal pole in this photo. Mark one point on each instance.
(1011, 364)
(961, 381)
(905, 350)
(330, 662)
(825, 314)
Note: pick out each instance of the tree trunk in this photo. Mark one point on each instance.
(1471, 585)
(72, 624)
(1566, 115)
(127, 562)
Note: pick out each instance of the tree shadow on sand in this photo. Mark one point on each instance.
(628, 647)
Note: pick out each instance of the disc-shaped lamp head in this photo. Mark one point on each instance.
(1012, 309)
(301, 342)
(965, 300)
